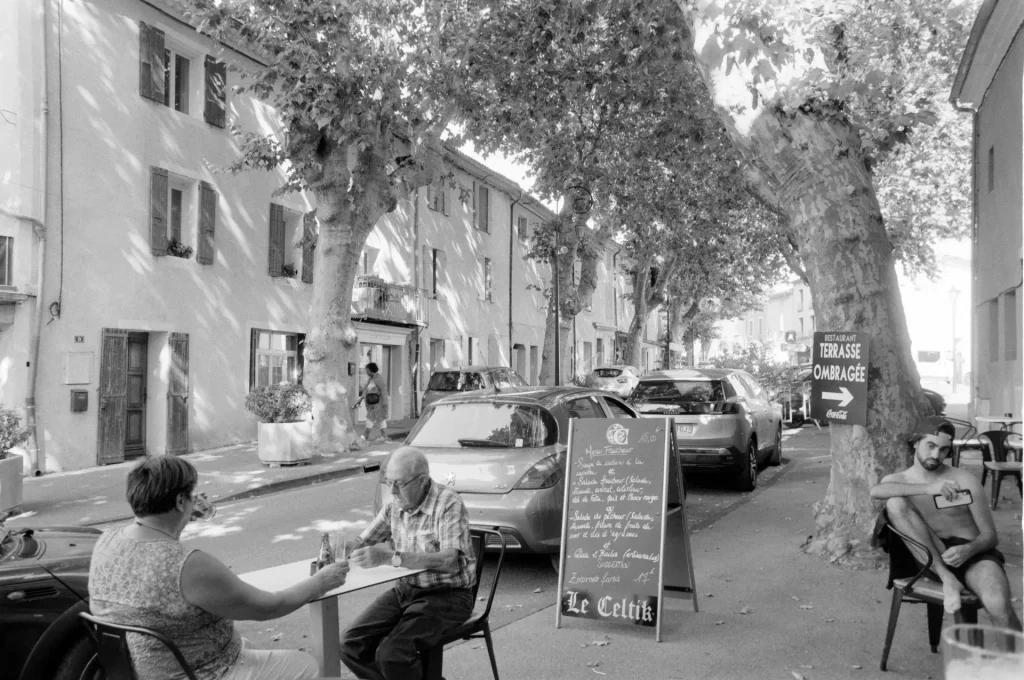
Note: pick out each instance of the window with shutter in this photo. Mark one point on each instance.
(276, 245)
(158, 183)
(524, 229)
(275, 358)
(309, 236)
(215, 111)
(488, 280)
(207, 223)
(152, 64)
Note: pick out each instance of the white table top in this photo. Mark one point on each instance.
(997, 419)
(286, 575)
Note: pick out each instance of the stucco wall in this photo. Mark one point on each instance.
(109, 278)
(998, 241)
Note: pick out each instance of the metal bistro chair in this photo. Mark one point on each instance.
(111, 641)
(997, 464)
(967, 440)
(478, 624)
(909, 583)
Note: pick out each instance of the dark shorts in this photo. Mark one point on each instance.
(991, 555)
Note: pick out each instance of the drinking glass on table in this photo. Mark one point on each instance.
(971, 651)
(340, 546)
(202, 509)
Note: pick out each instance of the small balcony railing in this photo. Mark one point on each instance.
(374, 298)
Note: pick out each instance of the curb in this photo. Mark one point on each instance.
(273, 487)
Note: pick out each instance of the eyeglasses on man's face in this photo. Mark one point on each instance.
(401, 486)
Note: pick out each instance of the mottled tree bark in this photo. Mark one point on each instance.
(809, 166)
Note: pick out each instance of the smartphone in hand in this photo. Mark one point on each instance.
(963, 497)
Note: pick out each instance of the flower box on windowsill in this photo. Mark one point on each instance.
(285, 443)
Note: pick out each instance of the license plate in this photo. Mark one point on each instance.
(684, 428)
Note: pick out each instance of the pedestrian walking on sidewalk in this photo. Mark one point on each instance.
(375, 394)
(142, 575)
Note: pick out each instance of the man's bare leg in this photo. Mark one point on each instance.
(988, 581)
(905, 517)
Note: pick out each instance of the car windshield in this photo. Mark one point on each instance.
(608, 372)
(485, 424)
(691, 396)
(455, 381)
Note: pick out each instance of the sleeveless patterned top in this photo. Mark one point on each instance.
(139, 583)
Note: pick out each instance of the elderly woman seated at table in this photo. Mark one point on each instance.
(142, 575)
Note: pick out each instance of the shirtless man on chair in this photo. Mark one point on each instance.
(945, 509)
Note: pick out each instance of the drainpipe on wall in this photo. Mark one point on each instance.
(417, 265)
(36, 450)
(511, 247)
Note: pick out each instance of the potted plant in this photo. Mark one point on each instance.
(11, 435)
(285, 433)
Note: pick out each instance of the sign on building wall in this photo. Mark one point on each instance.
(839, 378)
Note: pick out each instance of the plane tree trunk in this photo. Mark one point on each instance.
(809, 165)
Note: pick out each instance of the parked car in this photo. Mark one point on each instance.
(447, 381)
(43, 585)
(724, 420)
(505, 454)
(619, 379)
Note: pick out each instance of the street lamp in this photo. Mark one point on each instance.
(558, 250)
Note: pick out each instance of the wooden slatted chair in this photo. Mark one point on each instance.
(909, 583)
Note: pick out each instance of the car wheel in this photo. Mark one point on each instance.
(776, 457)
(80, 662)
(747, 478)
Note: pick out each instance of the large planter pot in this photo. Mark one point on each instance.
(11, 488)
(285, 443)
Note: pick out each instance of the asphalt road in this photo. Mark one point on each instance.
(284, 527)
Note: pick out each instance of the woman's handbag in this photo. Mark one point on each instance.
(372, 398)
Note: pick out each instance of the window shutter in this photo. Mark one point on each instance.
(207, 223)
(427, 268)
(441, 277)
(308, 245)
(276, 259)
(254, 339)
(113, 393)
(484, 209)
(216, 92)
(476, 223)
(444, 198)
(158, 211)
(151, 62)
(431, 197)
(177, 395)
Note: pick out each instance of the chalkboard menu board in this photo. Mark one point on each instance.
(613, 531)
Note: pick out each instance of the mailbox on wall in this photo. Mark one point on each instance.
(79, 401)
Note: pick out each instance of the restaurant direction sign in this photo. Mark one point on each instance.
(625, 543)
(839, 377)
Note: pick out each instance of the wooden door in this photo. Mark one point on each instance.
(113, 391)
(177, 396)
(135, 401)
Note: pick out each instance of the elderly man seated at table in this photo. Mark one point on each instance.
(142, 575)
(429, 527)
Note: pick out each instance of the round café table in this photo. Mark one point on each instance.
(1004, 422)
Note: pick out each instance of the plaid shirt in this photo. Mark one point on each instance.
(439, 523)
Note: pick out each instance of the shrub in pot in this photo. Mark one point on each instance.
(11, 435)
(285, 434)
